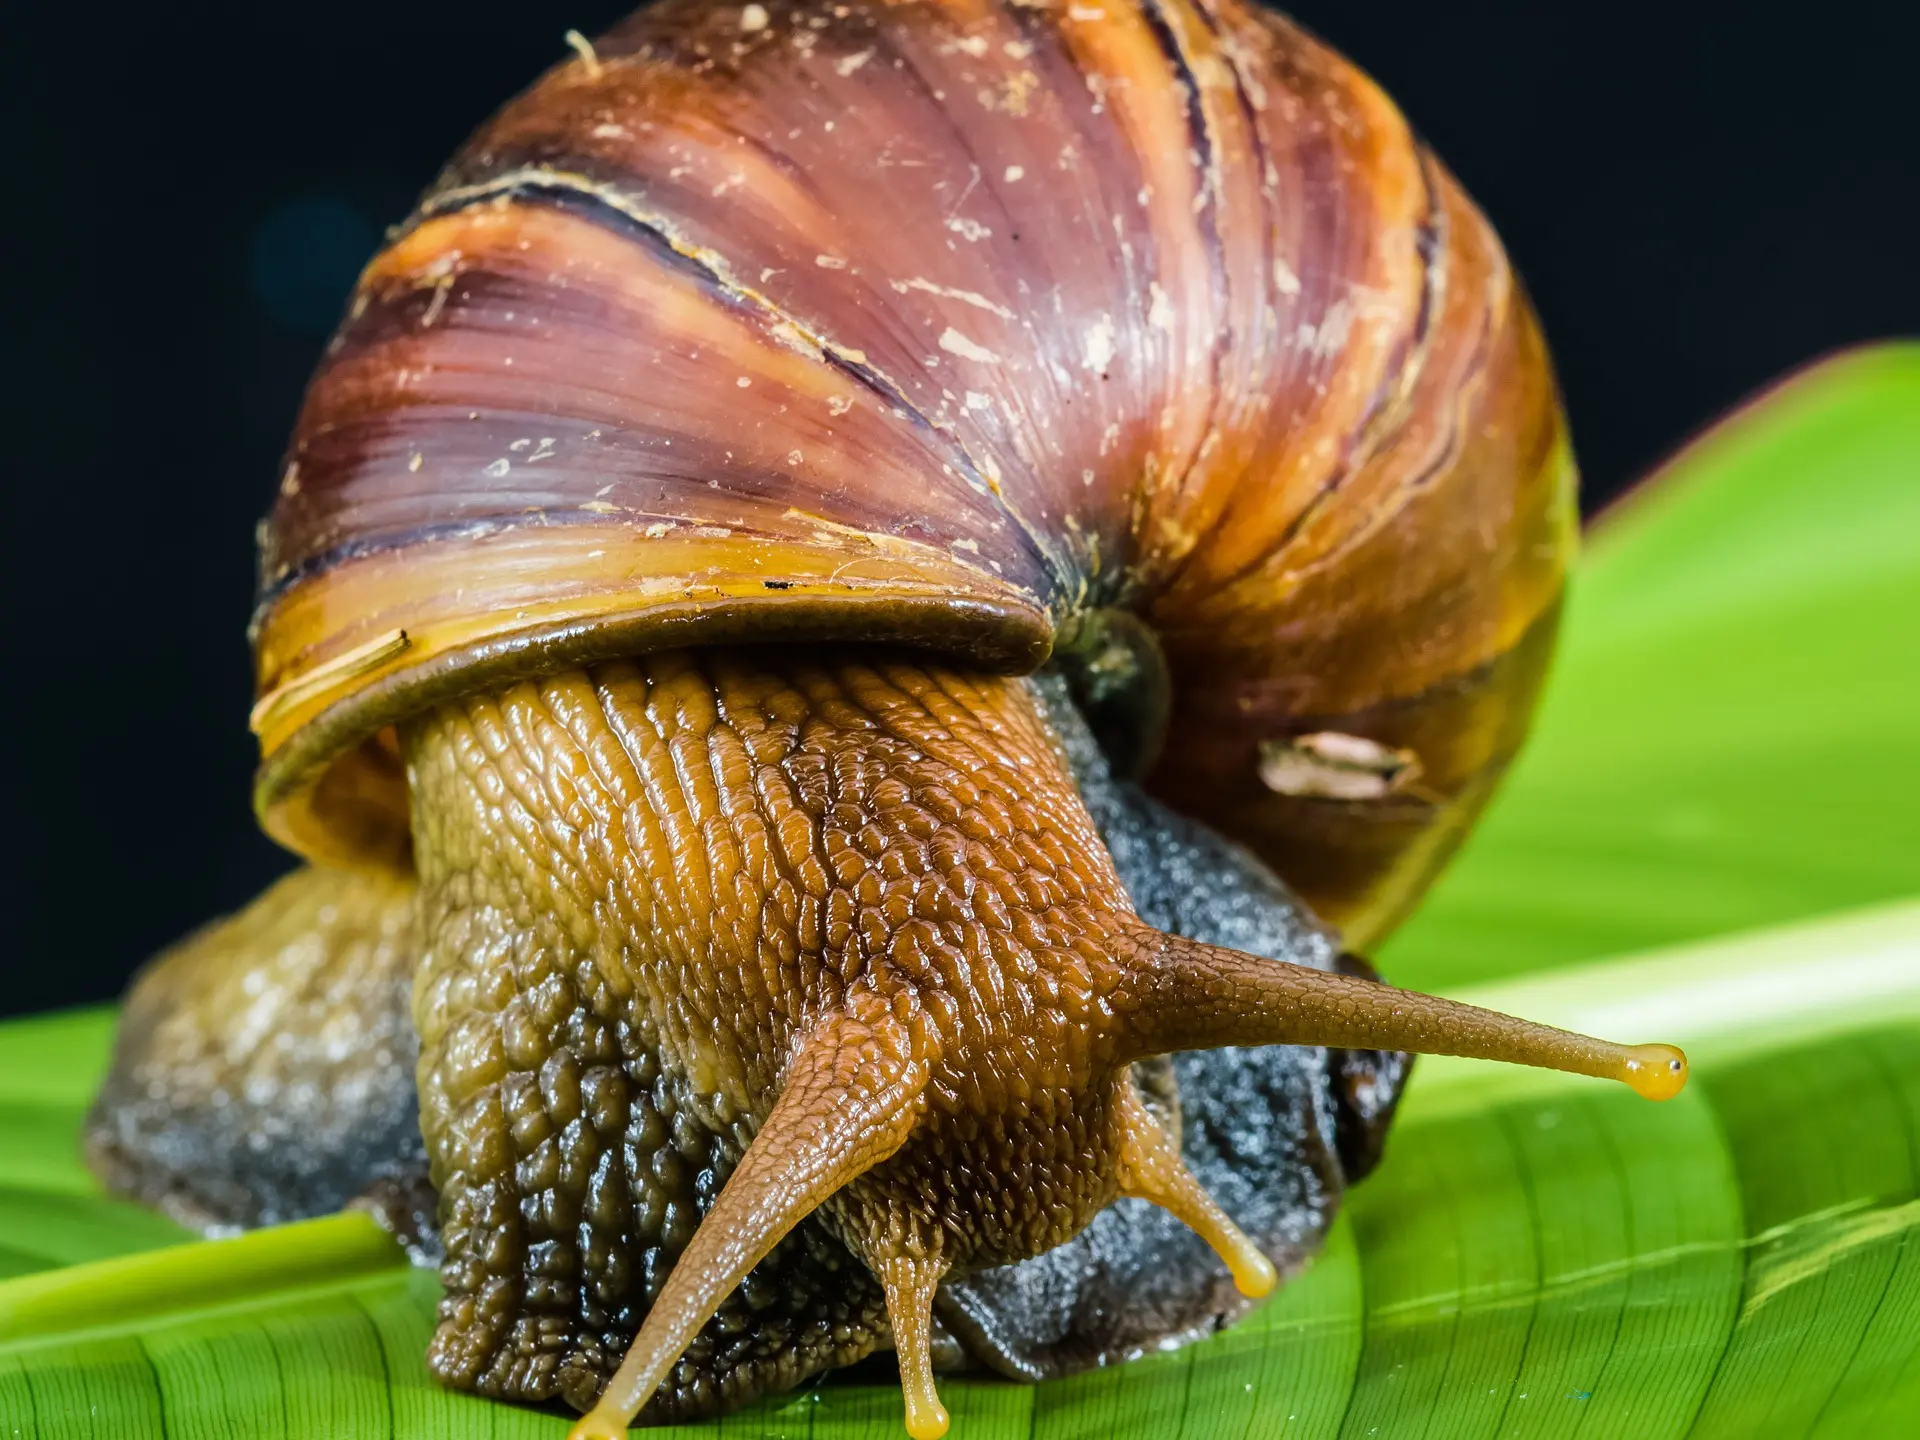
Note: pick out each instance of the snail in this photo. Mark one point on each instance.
(869, 607)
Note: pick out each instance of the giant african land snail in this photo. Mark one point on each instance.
(747, 409)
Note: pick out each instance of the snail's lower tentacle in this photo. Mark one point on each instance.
(910, 1281)
(1148, 1167)
(850, 1099)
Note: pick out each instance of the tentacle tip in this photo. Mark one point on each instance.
(927, 1418)
(1254, 1275)
(1658, 1072)
(597, 1425)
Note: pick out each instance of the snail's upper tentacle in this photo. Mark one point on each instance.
(1193, 996)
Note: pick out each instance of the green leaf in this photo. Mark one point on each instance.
(1729, 736)
(1726, 748)
(1542, 1254)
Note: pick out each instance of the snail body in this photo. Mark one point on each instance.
(821, 530)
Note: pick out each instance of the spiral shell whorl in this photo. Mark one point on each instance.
(941, 324)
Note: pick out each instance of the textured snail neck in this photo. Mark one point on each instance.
(741, 840)
(856, 908)
(724, 863)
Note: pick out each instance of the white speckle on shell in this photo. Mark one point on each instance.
(1160, 313)
(1099, 352)
(954, 343)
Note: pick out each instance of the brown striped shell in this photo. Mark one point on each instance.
(1138, 332)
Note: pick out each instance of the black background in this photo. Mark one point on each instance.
(1698, 200)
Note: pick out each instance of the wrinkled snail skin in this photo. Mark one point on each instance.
(839, 575)
(232, 1036)
(859, 906)
(792, 860)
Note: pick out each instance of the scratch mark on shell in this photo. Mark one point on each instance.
(954, 343)
(947, 292)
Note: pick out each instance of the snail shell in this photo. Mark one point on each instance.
(1145, 337)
